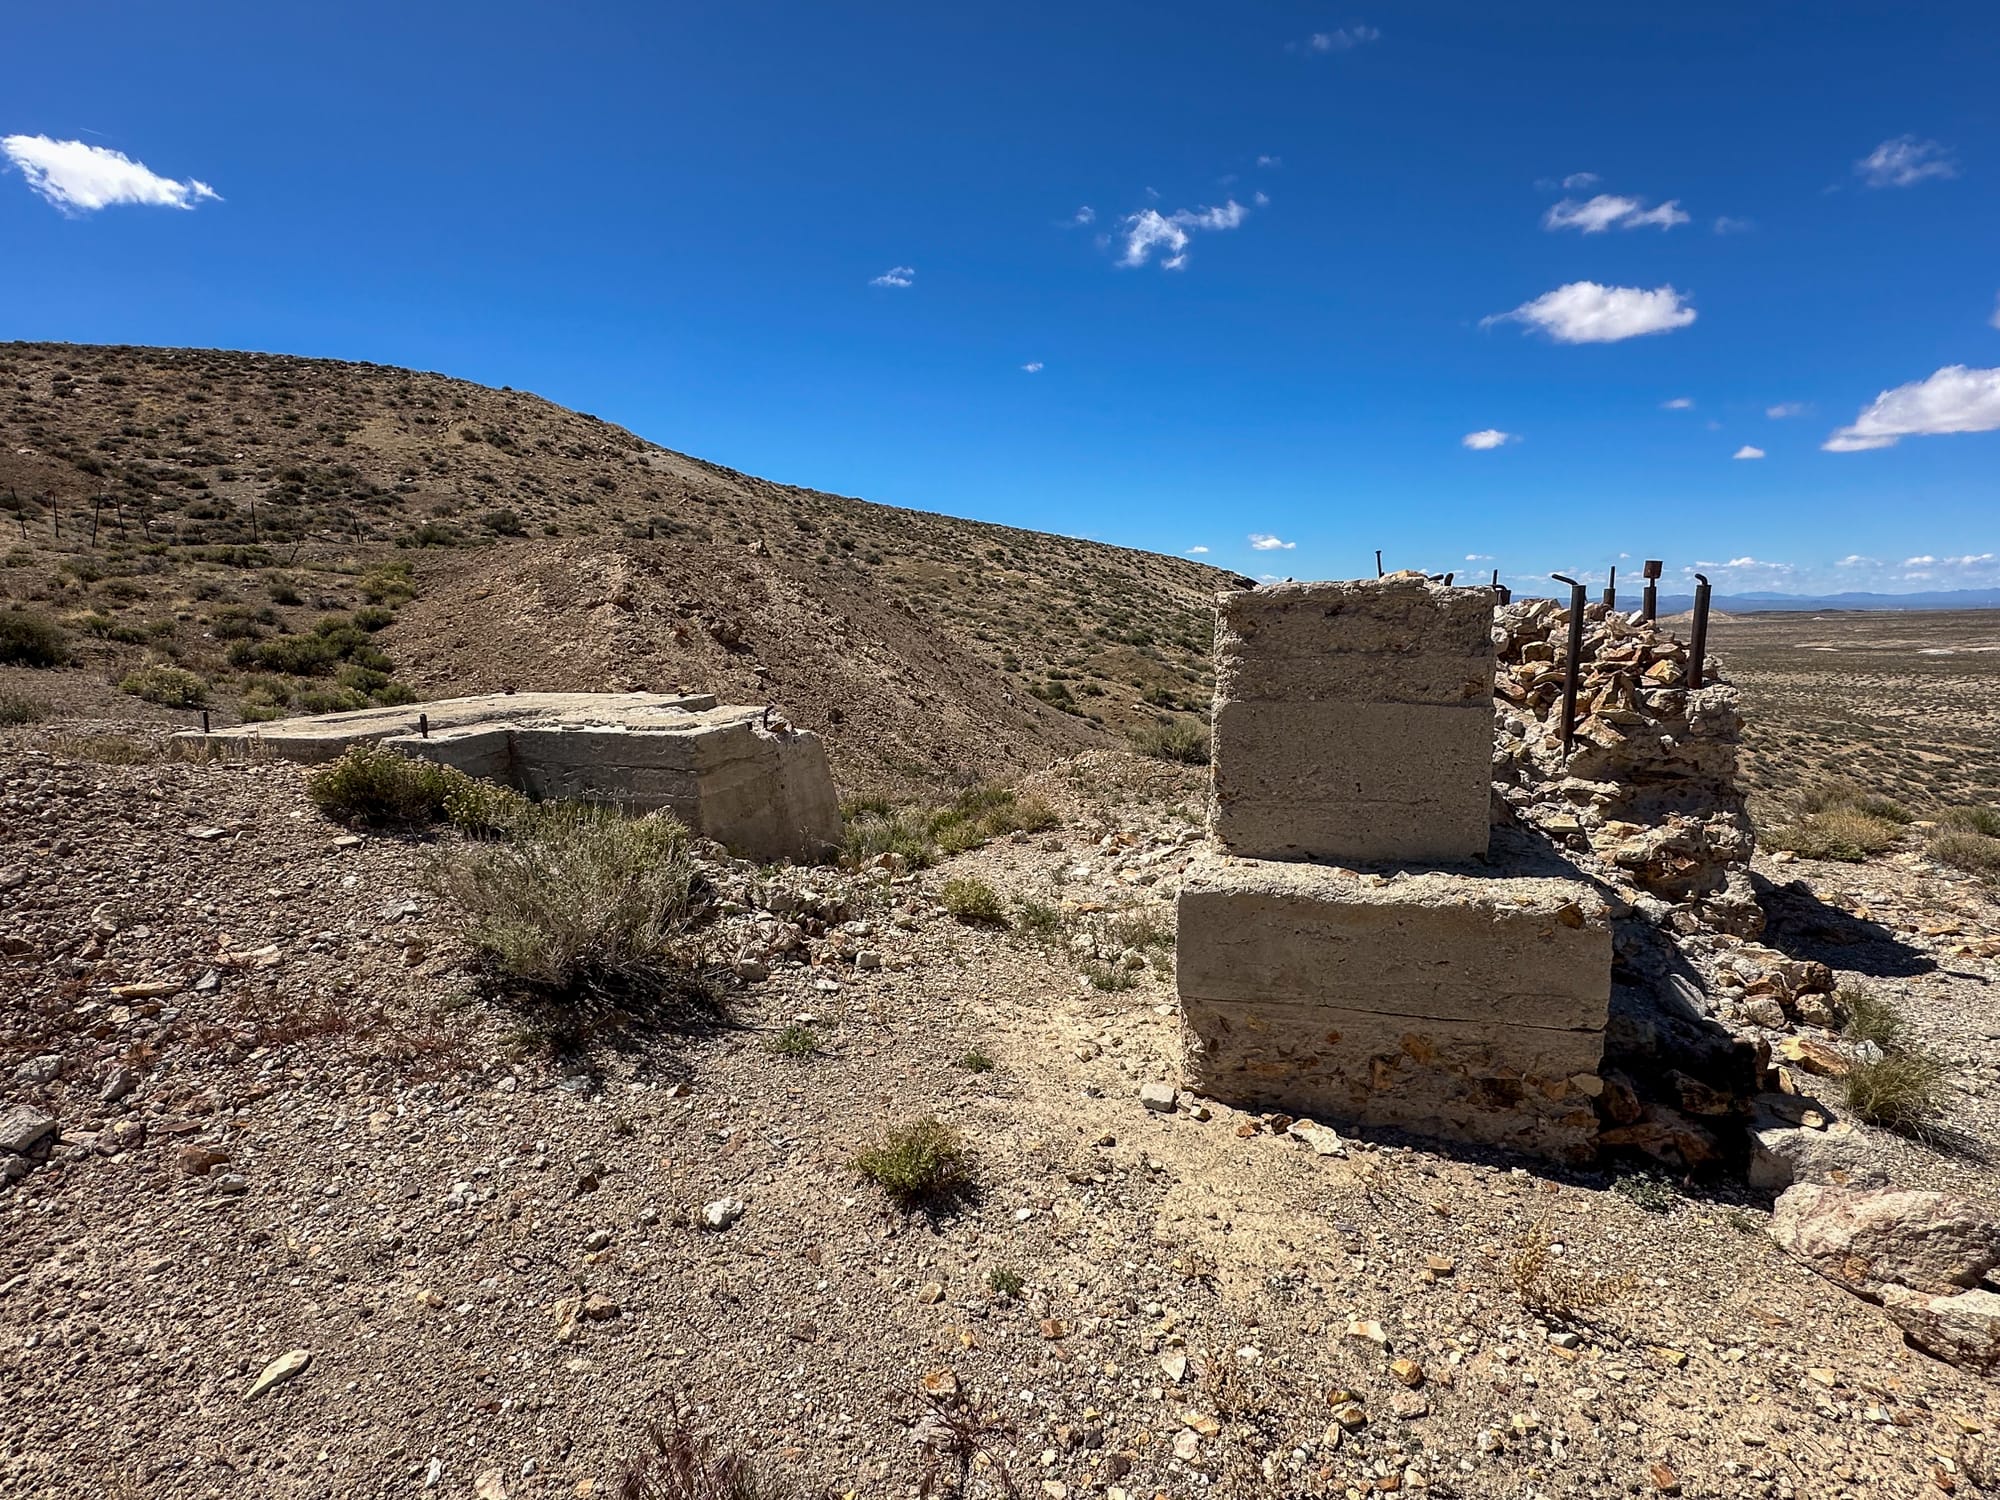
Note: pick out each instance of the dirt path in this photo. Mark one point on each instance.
(491, 1257)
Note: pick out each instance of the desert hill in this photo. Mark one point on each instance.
(196, 510)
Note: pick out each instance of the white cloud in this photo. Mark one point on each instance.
(1577, 181)
(1342, 38)
(1905, 161)
(1261, 198)
(1487, 438)
(1724, 224)
(1785, 409)
(1260, 542)
(79, 178)
(895, 276)
(1610, 210)
(1585, 313)
(1678, 403)
(1033, 367)
(1969, 560)
(1746, 451)
(1479, 557)
(1954, 399)
(1149, 230)
(1084, 215)
(1270, 161)
(1856, 560)
(1196, 551)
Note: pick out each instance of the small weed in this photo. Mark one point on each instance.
(680, 1463)
(797, 1041)
(1039, 919)
(1552, 1288)
(1005, 1281)
(1655, 1195)
(1110, 978)
(922, 1162)
(975, 1061)
(971, 899)
(1743, 1221)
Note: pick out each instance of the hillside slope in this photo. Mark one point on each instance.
(200, 509)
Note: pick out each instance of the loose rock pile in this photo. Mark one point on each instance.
(1649, 785)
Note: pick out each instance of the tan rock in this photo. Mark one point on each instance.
(1869, 1238)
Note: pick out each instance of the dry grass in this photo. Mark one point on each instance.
(1847, 832)
(1902, 1090)
(971, 899)
(1870, 1018)
(1962, 849)
(682, 1463)
(1183, 740)
(923, 833)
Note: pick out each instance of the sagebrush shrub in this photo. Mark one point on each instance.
(28, 640)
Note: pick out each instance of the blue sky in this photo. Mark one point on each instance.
(1329, 250)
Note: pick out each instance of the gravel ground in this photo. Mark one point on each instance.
(305, 1131)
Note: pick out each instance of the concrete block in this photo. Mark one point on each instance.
(1464, 1005)
(761, 789)
(1354, 721)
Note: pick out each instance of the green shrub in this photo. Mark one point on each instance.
(1962, 849)
(1840, 793)
(170, 687)
(1005, 1281)
(1040, 919)
(1111, 979)
(19, 708)
(28, 640)
(975, 1061)
(579, 901)
(282, 590)
(369, 787)
(924, 1161)
(388, 583)
(373, 617)
(331, 700)
(972, 900)
(480, 809)
(797, 1041)
(1183, 740)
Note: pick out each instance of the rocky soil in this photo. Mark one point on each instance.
(312, 1216)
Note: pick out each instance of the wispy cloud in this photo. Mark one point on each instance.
(1150, 232)
(80, 179)
(1340, 39)
(1263, 542)
(1785, 409)
(1270, 161)
(1856, 560)
(1904, 162)
(1196, 551)
(895, 276)
(1612, 211)
(1479, 557)
(1576, 182)
(1583, 312)
(1724, 224)
(1954, 399)
(1678, 403)
(1033, 367)
(1488, 438)
(1084, 215)
(1746, 451)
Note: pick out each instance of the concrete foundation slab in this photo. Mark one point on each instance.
(1354, 721)
(758, 786)
(1461, 1004)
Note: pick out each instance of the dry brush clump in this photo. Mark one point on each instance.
(681, 1462)
(1892, 1082)
(923, 833)
(1549, 1286)
(1839, 820)
(28, 640)
(582, 902)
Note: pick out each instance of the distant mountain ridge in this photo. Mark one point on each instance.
(1757, 603)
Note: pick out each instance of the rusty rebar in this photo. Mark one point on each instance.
(1698, 647)
(1650, 607)
(1573, 664)
(1611, 590)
